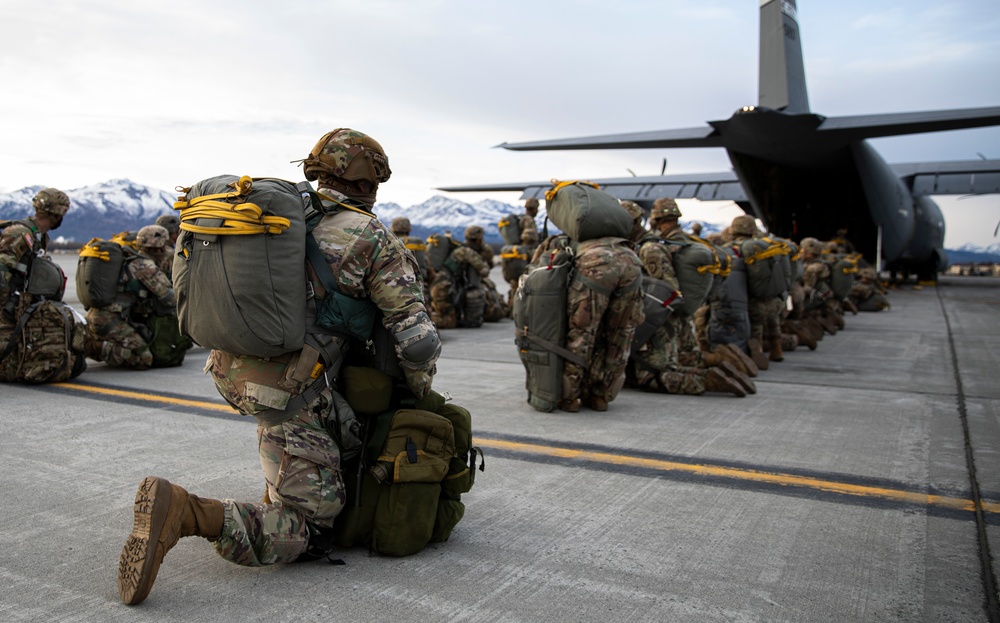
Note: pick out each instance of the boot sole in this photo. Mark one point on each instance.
(138, 566)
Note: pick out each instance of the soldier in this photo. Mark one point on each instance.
(496, 308)
(40, 338)
(658, 364)
(868, 294)
(765, 314)
(402, 228)
(172, 224)
(305, 491)
(121, 334)
(817, 293)
(457, 295)
(604, 307)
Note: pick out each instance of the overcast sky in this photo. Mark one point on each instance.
(169, 93)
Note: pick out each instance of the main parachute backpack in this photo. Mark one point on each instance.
(767, 266)
(98, 271)
(510, 229)
(239, 268)
(583, 211)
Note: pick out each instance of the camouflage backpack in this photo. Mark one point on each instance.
(46, 345)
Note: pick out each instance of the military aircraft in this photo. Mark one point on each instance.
(803, 174)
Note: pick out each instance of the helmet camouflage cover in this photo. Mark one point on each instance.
(400, 226)
(634, 209)
(664, 208)
(152, 237)
(531, 203)
(811, 245)
(170, 222)
(348, 155)
(52, 201)
(474, 232)
(743, 225)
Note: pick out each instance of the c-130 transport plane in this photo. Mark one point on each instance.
(803, 174)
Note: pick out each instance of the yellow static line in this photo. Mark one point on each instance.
(630, 461)
(742, 474)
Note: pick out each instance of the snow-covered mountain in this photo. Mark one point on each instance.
(100, 210)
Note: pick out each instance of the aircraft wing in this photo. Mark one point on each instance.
(895, 124)
(722, 186)
(963, 177)
(704, 136)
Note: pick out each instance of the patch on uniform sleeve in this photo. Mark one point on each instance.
(30, 240)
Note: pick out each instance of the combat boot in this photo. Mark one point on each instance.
(775, 351)
(815, 327)
(712, 359)
(805, 335)
(757, 353)
(597, 403)
(734, 373)
(163, 514)
(789, 342)
(850, 306)
(718, 381)
(838, 319)
(742, 361)
(569, 406)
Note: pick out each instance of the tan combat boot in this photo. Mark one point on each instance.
(740, 359)
(163, 514)
(789, 342)
(734, 373)
(718, 381)
(757, 353)
(774, 349)
(805, 336)
(711, 359)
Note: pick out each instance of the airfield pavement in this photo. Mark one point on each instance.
(841, 491)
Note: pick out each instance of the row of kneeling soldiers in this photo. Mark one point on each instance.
(131, 317)
(710, 314)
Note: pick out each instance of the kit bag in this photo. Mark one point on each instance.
(46, 279)
(405, 490)
(767, 266)
(658, 302)
(584, 212)
(239, 269)
(540, 326)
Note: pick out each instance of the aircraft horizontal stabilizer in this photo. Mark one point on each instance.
(896, 124)
(704, 136)
(965, 177)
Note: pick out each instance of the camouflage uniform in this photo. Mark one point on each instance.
(765, 314)
(299, 457)
(48, 346)
(119, 334)
(529, 241)
(457, 297)
(868, 294)
(172, 224)
(604, 306)
(401, 227)
(495, 308)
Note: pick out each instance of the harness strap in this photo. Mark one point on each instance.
(552, 347)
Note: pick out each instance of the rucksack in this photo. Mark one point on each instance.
(584, 212)
(767, 266)
(510, 229)
(239, 268)
(843, 273)
(418, 248)
(540, 326)
(55, 345)
(405, 489)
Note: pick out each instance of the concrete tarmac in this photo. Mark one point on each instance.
(844, 490)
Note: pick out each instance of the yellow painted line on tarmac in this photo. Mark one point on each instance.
(842, 488)
(733, 473)
(121, 393)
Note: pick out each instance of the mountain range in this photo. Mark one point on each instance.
(102, 210)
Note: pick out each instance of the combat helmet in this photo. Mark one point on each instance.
(634, 209)
(663, 208)
(473, 233)
(743, 225)
(51, 201)
(152, 237)
(811, 246)
(348, 155)
(400, 226)
(170, 222)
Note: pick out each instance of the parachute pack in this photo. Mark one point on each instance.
(98, 271)
(418, 248)
(510, 229)
(404, 490)
(514, 260)
(584, 212)
(768, 267)
(730, 320)
(843, 273)
(439, 247)
(241, 238)
(697, 265)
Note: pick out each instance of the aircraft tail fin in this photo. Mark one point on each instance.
(782, 75)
